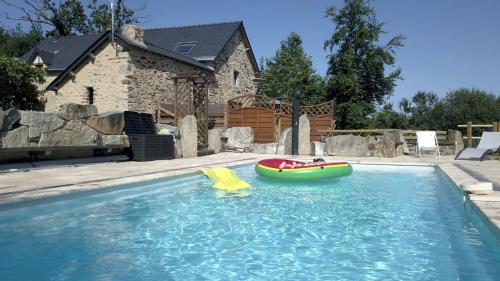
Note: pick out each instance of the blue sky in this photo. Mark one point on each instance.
(450, 43)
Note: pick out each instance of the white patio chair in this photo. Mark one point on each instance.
(427, 141)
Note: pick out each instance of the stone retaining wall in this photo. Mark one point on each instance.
(72, 125)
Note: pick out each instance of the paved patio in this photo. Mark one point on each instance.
(21, 185)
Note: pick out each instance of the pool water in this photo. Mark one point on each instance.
(380, 223)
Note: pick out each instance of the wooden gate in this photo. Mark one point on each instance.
(269, 118)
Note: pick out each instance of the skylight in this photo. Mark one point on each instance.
(185, 47)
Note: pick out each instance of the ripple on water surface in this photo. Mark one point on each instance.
(381, 223)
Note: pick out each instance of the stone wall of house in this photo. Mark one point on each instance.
(149, 81)
(232, 57)
(105, 74)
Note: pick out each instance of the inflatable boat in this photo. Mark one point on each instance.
(296, 170)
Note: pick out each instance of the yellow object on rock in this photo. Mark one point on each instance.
(225, 179)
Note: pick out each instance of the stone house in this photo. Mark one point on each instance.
(133, 70)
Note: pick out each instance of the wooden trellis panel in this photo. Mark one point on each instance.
(261, 120)
(268, 119)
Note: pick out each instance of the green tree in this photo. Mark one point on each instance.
(69, 17)
(15, 42)
(388, 118)
(19, 84)
(358, 63)
(419, 109)
(464, 105)
(289, 69)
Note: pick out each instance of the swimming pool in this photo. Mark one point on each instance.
(380, 223)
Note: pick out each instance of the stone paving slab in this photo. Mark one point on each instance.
(39, 183)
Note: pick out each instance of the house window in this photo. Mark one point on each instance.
(184, 47)
(90, 95)
(235, 78)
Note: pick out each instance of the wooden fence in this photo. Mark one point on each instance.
(495, 127)
(269, 118)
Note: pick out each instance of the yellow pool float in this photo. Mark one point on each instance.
(225, 179)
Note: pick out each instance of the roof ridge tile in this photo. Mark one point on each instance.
(195, 25)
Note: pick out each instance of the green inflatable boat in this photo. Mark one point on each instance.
(296, 170)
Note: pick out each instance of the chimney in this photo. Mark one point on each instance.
(134, 33)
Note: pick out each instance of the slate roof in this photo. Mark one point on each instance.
(210, 38)
(59, 53)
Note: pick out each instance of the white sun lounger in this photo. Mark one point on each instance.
(489, 143)
(427, 141)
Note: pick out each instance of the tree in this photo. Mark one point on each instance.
(418, 110)
(387, 117)
(357, 77)
(425, 111)
(15, 42)
(69, 17)
(19, 84)
(464, 105)
(289, 69)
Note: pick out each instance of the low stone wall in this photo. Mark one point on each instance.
(72, 125)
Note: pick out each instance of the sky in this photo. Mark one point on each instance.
(449, 43)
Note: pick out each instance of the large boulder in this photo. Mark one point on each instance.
(304, 135)
(347, 145)
(109, 123)
(70, 111)
(455, 137)
(120, 140)
(382, 146)
(285, 142)
(40, 122)
(10, 118)
(239, 137)
(16, 138)
(74, 133)
(188, 131)
(399, 137)
(264, 148)
(318, 148)
(214, 141)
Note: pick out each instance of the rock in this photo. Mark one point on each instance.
(318, 148)
(406, 149)
(109, 123)
(74, 133)
(10, 119)
(304, 135)
(347, 145)
(40, 122)
(121, 140)
(70, 111)
(239, 137)
(2, 116)
(16, 138)
(177, 149)
(264, 148)
(285, 142)
(399, 150)
(188, 136)
(399, 137)
(214, 141)
(382, 146)
(455, 137)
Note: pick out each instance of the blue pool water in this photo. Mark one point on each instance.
(380, 223)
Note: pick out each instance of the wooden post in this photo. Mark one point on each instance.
(495, 127)
(469, 134)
